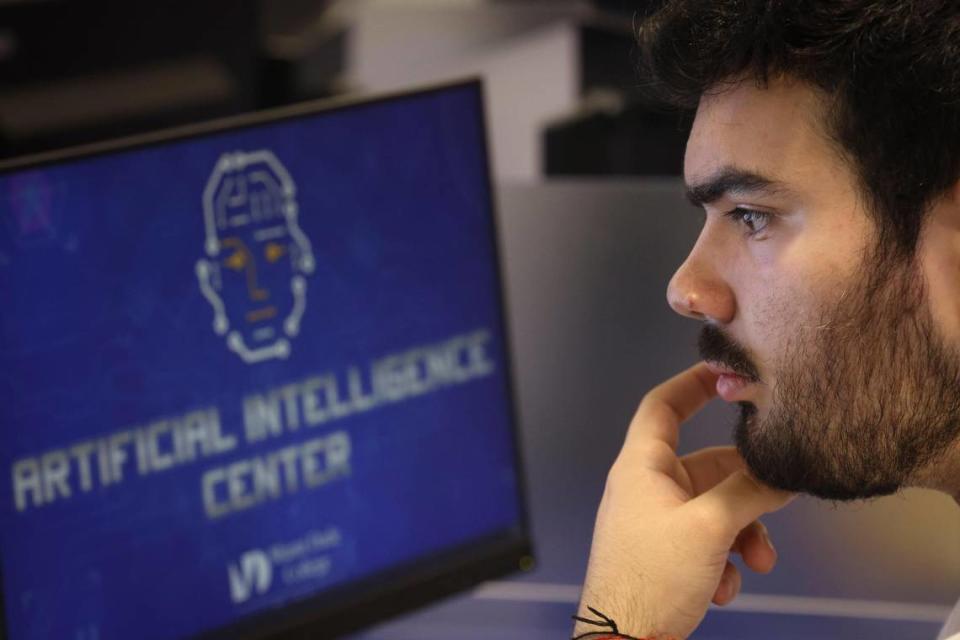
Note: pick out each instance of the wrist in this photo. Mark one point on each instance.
(599, 626)
(607, 636)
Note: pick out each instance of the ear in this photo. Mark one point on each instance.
(943, 215)
(938, 254)
(953, 193)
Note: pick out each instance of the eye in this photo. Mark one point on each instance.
(237, 260)
(754, 221)
(274, 251)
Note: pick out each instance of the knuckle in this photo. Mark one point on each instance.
(656, 451)
(643, 406)
(622, 472)
(614, 476)
(614, 472)
(651, 402)
(648, 454)
(628, 469)
(713, 521)
(652, 406)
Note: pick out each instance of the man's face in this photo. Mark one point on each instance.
(849, 371)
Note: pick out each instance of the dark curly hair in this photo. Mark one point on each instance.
(889, 71)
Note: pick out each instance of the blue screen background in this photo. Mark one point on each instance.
(103, 327)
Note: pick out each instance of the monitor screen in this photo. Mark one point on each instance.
(253, 374)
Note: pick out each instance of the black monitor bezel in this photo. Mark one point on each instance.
(381, 596)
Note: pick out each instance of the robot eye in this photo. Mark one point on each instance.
(274, 251)
(237, 260)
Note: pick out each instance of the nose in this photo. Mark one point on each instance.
(698, 291)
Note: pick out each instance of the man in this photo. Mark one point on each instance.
(825, 152)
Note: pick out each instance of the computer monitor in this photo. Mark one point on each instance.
(255, 379)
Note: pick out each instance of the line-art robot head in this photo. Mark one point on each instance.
(257, 257)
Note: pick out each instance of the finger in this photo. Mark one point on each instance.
(667, 405)
(742, 537)
(754, 546)
(708, 467)
(729, 585)
(737, 501)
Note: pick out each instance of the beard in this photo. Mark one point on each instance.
(865, 398)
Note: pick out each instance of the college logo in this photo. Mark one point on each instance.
(252, 575)
(257, 257)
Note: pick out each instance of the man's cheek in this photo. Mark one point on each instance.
(771, 321)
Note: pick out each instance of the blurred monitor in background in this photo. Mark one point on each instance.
(254, 376)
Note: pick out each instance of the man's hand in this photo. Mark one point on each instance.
(666, 525)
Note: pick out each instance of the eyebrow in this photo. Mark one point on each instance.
(732, 180)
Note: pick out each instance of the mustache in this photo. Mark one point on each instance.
(717, 347)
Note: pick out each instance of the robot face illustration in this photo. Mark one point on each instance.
(257, 257)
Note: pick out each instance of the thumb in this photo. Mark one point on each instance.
(741, 499)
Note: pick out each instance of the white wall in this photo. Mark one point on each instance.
(526, 53)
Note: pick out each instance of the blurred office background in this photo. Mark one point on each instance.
(593, 222)
(562, 96)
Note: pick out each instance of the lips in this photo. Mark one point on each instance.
(730, 385)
